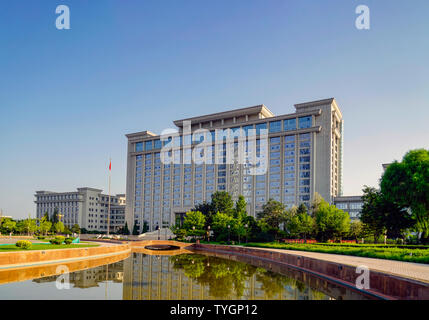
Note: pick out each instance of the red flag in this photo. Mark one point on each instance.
(110, 165)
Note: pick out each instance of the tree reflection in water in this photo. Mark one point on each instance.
(226, 277)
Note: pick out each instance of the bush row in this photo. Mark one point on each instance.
(400, 254)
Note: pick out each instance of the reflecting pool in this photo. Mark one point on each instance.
(181, 277)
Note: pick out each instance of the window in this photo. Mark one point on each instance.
(158, 144)
(139, 146)
(261, 126)
(304, 136)
(290, 124)
(290, 139)
(148, 145)
(275, 140)
(275, 126)
(304, 159)
(246, 130)
(304, 122)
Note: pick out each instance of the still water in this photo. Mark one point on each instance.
(185, 276)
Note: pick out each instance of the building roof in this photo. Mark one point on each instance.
(141, 133)
(228, 114)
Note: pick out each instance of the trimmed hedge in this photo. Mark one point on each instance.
(24, 244)
(389, 253)
(57, 240)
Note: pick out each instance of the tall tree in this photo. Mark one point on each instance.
(222, 202)
(273, 214)
(44, 224)
(371, 215)
(240, 208)
(59, 227)
(382, 216)
(75, 228)
(301, 225)
(331, 222)
(194, 219)
(406, 183)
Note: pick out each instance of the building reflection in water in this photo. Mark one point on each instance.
(201, 277)
(205, 277)
(92, 277)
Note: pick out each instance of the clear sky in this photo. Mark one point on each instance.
(68, 97)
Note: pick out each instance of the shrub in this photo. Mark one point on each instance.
(57, 240)
(68, 240)
(24, 244)
(40, 238)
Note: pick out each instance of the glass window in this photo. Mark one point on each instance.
(304, 167)
(275, 126)
(304, 122)
(158, 144)
(275, 140)
(304, 136)
(246, 130)
(260, 126)
(275, 154)
(304, 159)
(305, 182)
(289, 124)
(289, 138)
(139, 146)
(148, 145)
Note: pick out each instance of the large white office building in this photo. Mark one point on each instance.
(296, 155)
(87, 207)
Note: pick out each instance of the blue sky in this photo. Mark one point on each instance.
(67, 98)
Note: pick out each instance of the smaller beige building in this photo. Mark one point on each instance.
(87, 207)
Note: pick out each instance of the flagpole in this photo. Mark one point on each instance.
(108, 210)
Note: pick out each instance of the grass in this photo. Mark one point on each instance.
(374, 251)
(12, 247)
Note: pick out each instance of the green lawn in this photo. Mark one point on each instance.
(11, 247)
(386, 252)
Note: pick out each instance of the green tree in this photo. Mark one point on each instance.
(45, 225)
(331, 222)
(55, 216)
(75, 228)
(59, 227)
(221, 221)
(222, 202)
(145, 227)
(301, 225)
(356, 230)
(9, 225)
(240, 208)
(371, 214)
(136, 229)
(382, 216)
(125, 229)
(29, 226)
(194, 223)
(302, 208)
(272, 215)
(406, 184)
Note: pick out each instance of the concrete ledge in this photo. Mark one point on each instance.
(382, 285)
(19, 259)
(46, 270)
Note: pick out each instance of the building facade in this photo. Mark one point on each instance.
(350, 204)
(296, 155)
(86, 207)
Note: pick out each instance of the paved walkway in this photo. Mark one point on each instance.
(417, 271)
